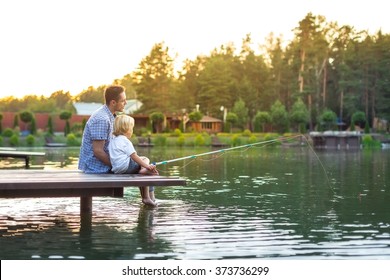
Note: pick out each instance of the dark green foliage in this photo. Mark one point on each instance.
(157, 119)
(195, 116)
(279, 117)
(328, 120)
(33, 126)
(16, 121)
(50, 128)
(261, 119)
(30, 140)
(14, 140)
(231, 119)
(358, 118)
(299, 115)
(8, 132)
(26, 116)
(66, 115)
(369, 142)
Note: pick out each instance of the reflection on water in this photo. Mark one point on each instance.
(260, 203)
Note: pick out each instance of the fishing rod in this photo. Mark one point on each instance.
(223, 150)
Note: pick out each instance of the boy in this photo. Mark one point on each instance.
(124, 158)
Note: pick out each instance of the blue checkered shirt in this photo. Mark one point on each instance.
(98, 127)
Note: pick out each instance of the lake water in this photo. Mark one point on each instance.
(269, 202)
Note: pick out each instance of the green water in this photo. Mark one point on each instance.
(271, 202)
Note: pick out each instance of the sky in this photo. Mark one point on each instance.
(51, 45)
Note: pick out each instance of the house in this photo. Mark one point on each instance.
(207, 124)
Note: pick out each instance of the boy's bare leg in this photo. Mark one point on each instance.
(151, 195)
(145, 196)
(145, 171)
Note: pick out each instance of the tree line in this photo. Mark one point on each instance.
(326, 72)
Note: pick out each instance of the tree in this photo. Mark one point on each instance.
(217, 83)
(50, 128)
(26, 117)
(299, 115)
(279, 116)
(33, 126)
(128, 82)
(252, 77)
(261, 119)
(154, 78)
(231, 120)
(62, 100)
(328, 119)
(1, 123)
(92, 95)
(281, 83)
(358, 118)
(313, 56)
(241, 111)
(187, 87)
(66, 115)
(16, 121)
(195, 116)
(157, 119)
(340, 72)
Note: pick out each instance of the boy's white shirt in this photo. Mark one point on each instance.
(120, 148)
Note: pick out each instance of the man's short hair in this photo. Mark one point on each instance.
(112, 92)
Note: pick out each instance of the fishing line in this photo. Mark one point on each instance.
(221, 152)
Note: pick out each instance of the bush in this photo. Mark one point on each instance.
(236, 141)
(1, 141)
(369, 142)
(252, 139)
(180, 141)
(8, 132)
(14, 140)
(199, 140)
(177, 132)
(71, 140)
(247, 133)
(30, 140)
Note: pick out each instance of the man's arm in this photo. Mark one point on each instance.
(98, 151)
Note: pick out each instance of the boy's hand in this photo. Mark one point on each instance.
(153, 168)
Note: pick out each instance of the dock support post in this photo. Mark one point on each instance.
(27, 161)
(86, 205)
(85, 214)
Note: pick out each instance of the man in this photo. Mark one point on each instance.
(94, 157)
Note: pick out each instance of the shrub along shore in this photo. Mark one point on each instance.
(10, 138)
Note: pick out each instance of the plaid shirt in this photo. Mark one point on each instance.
(98, 127)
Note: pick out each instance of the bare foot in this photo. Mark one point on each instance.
(148, 201)
(145, 171)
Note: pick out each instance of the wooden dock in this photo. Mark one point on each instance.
(339, 140)
(74, 183)
(10, 153)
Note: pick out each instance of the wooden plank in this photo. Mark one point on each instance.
(33, 179)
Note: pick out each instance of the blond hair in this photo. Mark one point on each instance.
(122, 124)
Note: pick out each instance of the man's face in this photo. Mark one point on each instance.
(121, 103)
